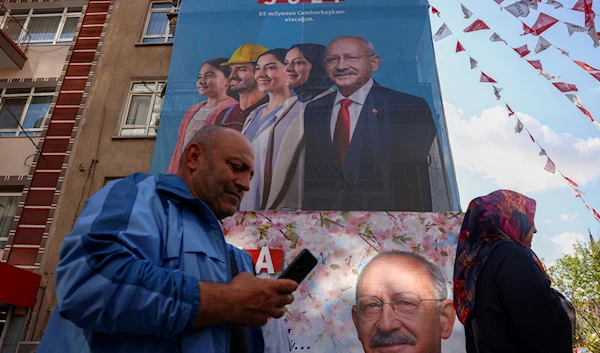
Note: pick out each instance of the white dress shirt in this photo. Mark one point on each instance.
(358, 100)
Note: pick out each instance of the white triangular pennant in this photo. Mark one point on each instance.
(574, 98)
(519, 126)
(576, 192)
(466, 11)
(592, 32)
(543, 152)
(541, 45)
(563, 52)
(548, 76)
(496, 38)
(497, 91)
(473, 63)
(518, 9)
(550, 167)
(554, 3)
(575, 28)
(442, 33)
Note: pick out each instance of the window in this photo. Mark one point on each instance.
(41, 26)
(26, 106)
(157, 29)
(9, 201)
(144, 105)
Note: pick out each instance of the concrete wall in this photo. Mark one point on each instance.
(120, 62)
(13, 153)
(42, 61)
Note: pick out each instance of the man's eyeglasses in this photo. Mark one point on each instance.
(350, 59)
(371, 308)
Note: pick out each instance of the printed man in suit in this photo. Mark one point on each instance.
(366, 146)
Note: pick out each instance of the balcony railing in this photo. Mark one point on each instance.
(14, 29)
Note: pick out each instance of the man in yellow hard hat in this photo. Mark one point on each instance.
(242, 82)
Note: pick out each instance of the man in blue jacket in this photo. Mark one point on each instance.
(146, 267)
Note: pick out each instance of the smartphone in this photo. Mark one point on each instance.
(300, 267)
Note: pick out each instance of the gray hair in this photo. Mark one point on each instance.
(370, 47)
(440, 291)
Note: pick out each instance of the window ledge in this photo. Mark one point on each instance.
(140, 44)
(134, 137)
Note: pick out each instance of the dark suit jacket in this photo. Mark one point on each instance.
(387, 164)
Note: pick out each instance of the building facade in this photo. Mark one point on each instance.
(82, 85)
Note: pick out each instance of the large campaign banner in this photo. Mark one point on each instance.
(340, 100)
(321, 317)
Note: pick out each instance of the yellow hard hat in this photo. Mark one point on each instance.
(246, 53)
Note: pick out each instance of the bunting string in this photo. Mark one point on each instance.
(550, 166)
(543, 23)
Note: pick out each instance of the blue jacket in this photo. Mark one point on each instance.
(128, 276)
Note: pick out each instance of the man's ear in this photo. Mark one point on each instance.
(193, 155)
(447, 317)
(375, 61)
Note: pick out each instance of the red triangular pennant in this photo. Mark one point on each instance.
(510, 111)
(522, 50)
(535, 63)
(435, 11)
(530, 136)
(569, 180)
(486, 78)
(543, 23)
(596, 75)
(498, 1)
(584, 111)
(585, 66)
(459, 47)
(565, 87)
(580, 5)
(476, 26)
(527, 30)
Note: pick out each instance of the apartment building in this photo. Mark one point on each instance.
(82, 85)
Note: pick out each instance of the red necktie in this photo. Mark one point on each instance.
(341, 134)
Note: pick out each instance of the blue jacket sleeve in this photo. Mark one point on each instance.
(109, 279)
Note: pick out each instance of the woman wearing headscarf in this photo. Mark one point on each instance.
(284, 158)
(213, 82)
(269, 73)
(502, 294)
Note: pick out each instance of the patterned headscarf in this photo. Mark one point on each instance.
(490, 220)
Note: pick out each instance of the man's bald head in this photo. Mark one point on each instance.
(210, 135)
(217, 165)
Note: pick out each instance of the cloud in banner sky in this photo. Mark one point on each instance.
(487, 145)
(568, 217)
(565, 241)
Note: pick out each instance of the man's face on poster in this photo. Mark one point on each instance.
(241, 79)
(349, 63)
(397, 311)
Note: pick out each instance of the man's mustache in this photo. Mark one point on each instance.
(391, 339)
(344, 72)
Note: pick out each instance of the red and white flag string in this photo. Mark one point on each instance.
(550, 166)
(544, 22)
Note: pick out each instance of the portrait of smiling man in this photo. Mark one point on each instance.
(367, 147)
(402, 305)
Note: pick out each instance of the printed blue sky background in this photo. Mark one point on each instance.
(488, 154)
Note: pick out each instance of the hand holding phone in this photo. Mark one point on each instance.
(300, 267)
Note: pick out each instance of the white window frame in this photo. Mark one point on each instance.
(154, 92)
(4, 238)
(30, 95)
(23, 37)
(166, 36)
